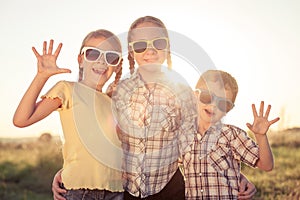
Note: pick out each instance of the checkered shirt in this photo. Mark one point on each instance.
(157, 124)
(212, 168)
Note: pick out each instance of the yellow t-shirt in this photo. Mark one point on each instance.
(92, 152)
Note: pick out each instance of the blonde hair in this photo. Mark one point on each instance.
(134, 25)
(113, 39)
(223, 78)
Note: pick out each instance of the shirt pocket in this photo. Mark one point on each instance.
(169, 118)
(218, 158)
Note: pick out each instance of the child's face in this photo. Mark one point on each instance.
(148, 31)
(96, 73)
(221, 102)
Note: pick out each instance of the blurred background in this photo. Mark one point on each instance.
(256, 41)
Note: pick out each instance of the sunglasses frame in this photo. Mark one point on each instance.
(149, 42)
(102, 52)
(215, 99)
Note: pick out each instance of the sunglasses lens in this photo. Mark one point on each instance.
(112, 58)
(205, 97)
(224, 105)
(160, 44)
(92, 54)
(139, 47)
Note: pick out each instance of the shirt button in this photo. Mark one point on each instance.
(201, 191)
(200, 174)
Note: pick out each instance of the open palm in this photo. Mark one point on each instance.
(261, 123)
(47, 61)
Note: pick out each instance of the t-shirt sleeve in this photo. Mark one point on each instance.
(61, 90)
(245, 149)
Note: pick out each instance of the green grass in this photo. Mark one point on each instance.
(27, 169)
(283, 182)
(26, 172)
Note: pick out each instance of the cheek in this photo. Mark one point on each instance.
(163, 55)
(219, 115)
(138, 58)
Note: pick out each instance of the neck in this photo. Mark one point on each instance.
(97, 87)
(150, 73)
(203, 126)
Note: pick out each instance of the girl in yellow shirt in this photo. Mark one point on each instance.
(91, 152)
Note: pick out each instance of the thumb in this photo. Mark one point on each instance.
(249, 125)
(64, 70)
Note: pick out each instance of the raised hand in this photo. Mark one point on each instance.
(47, 61)
(261, 123)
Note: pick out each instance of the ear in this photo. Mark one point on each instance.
(79, 59)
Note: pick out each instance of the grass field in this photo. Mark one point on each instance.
(27, 169)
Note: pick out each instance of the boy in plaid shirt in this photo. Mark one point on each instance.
(212, 167)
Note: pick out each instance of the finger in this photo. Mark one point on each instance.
(242, 188)
(254, 110)
(50, 47)
(268, 111)
(58, 197)
(274, 120)
(261, 109)
(248, 196)
(57, 51)
(35, 52)
(44, 48)
(64, 70)
(57, 190)
(242, 197)
(250, 192)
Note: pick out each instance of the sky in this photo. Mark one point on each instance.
(256, 41)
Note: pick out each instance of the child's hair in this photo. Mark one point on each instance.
(134, 25)
(223, 78)
(113, 39)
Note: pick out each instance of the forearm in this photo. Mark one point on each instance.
(266, 161)
(28, 103)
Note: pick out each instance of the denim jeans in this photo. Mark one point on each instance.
(86, 194)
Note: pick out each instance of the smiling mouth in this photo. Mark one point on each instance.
(209, 112)
(99, 71)
(150, 60)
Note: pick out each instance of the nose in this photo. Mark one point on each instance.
(101, 60)
(150, 48)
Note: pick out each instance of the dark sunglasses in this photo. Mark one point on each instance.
(140, 46)
(206, 97)
(93, 54)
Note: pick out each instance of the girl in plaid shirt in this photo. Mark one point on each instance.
(212, 167)
(156, 115)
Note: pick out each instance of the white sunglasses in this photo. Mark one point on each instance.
(93, 54)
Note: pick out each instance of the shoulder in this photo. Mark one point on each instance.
(63, 87)
(128, 84)
(65, 83)
(232, 129)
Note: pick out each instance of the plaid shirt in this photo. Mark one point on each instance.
(212, 168)
(157, 123)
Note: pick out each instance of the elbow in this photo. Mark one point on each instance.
(269, 168)
(19, 123)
